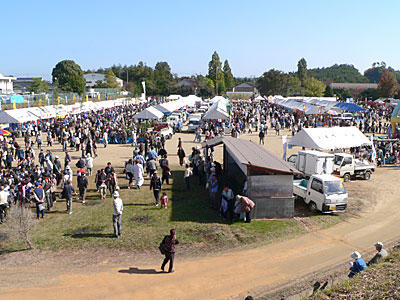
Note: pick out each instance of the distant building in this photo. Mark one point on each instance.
(21, 84)
(187, 83)
(6, 84)
(353, 86)
(244, 90)
(92, 78)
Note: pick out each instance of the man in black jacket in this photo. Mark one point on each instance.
(83, 184)
(168, 244)
(156, 185)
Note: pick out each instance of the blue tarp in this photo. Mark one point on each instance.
(348, 106)
(16, 99)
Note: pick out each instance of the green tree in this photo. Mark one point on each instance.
(163, 78)
(342, 94)
(328, 92)
(273, 82)
(388, 84)
(294, 86)
(228, 77)
(337, 73)
(111, 80)
(314, 87)
(302, 71)
(38, 86)
(68, 76)
(215, 73)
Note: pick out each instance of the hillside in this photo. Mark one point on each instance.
(338, 73)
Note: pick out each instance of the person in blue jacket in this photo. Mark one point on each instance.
(358, 265)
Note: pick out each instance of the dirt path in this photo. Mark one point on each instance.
(234, 274)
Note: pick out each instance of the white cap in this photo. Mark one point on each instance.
(355, 255)
(378, 244)
(116, 194)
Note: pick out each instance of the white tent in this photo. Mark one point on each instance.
(217, 111)
(149, 113)
(170, 107)
(22, 115)
(329, 138)
(259, 98)
(217, 98)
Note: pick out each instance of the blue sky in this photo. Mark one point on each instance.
(253, 35)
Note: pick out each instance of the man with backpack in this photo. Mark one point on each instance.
(167, 248)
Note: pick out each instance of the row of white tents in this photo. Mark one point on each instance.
(218, 110)
(24, 115)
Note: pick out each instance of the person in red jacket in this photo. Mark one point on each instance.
(169, 243)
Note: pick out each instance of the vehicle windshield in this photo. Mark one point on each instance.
(193, 122)
(338, 160)
(334, 187)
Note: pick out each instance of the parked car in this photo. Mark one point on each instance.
(194, 123)
(324, 193)
(163, 129)
(347, 167)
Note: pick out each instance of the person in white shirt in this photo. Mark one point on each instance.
(118, 207)
(3, 203)
(89, 164)
(138, 173)
(186, 175)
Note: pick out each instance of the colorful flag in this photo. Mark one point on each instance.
(14, 105)
(40, 102)
(58, 100)
(87, 98)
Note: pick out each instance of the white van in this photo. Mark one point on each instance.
(194, 123)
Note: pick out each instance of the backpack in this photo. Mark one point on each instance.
(163, 247)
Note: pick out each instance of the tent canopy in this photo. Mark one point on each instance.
(18, 116)
(348, 106)
(329, 138)
(149, 113)
(217, 111)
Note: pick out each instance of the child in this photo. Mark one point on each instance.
(164, 200)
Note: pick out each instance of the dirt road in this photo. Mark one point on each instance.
(235, 274)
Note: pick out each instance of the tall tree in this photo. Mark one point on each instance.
(229, 79)
(273, 82)
(163, 78)
(302, 71)
(111, 80)
(38, 86)
(388, 84)
(314, 87)
(215, 73)
(68, 76)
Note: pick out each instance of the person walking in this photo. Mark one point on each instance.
(138, 173)
(213, 189)
(3, 204)
(155, 185)
(83, 184)
(38, 194)
(67, 193)
(187, 174)
(118, 207)
(261, 135)
(89, 164)
(181, 155)
(168, 245)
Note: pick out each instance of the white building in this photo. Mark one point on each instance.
(6, 84)
(92, 78)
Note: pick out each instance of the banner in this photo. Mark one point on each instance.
(14, 105)
(73, 98)
(40, 102)
(87, 98)
(29, 103)
(58, 100)
(48, 100)
(1, 105)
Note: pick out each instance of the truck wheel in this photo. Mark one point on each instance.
(346, 177)
(367, 175)
(313, 207)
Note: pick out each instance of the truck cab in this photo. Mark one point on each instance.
(347, 167)
(324, 193)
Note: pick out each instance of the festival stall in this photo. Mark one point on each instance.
(17, 116)
(150, 113)
(330, 138)
(218, 111)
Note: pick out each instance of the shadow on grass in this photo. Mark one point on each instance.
(85, 235)
(140, 271)
(139, 204)
(3, 252)
(191, 205)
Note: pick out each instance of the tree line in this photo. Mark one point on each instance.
(160, 81)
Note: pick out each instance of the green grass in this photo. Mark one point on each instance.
(144, 225)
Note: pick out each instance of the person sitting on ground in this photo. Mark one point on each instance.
(358, 265)
(382, 253)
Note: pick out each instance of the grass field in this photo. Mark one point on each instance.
(143, 225)
(380, 281)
